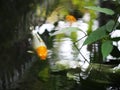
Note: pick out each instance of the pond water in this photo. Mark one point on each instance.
(70, 66)
(68, 69)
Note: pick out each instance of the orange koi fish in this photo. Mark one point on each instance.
(39, 46)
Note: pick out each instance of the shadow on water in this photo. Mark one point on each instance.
(39, 78)
(15, 20)
(14, 62)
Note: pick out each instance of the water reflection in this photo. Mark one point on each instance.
(67, 57)
(66, 54)
(64, 49)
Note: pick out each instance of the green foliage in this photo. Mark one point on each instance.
(110, 25)
(103, 32)
(100, 32)
(106, 48)
(96, 35)
(103, 10)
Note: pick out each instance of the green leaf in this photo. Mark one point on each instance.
(66, 30)
(110, 25)
(106, 48)
(95, 35)
(103, 10)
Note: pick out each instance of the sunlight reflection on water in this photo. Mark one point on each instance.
(64, 48)
(65, 52)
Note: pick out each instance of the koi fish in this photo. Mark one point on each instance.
(39, 46)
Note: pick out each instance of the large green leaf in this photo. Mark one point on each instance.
(103, 10)
(106, 48)
(66, 30)
(96, 35)
(110, 25)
